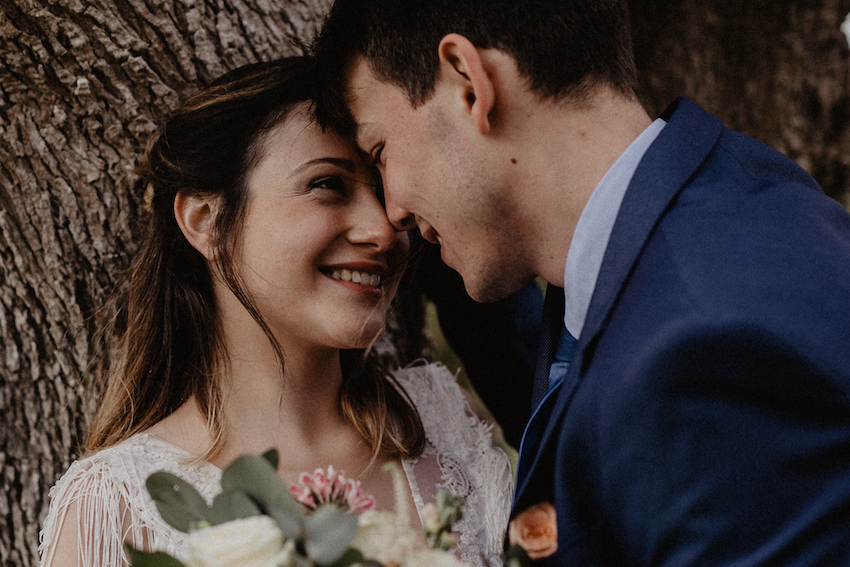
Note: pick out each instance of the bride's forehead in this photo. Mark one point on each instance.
(299, 140)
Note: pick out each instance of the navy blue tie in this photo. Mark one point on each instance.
(556, 346)
(562, 357)
(550, 335)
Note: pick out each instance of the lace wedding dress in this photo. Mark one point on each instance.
(105, 495)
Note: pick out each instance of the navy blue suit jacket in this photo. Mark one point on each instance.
(705, 417)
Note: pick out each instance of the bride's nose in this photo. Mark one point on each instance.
(369, 225)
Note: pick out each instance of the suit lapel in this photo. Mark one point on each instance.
(669, 163)
(530, 445)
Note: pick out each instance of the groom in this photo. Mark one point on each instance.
(697, 411)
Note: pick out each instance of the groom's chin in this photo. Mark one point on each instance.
(485, 290)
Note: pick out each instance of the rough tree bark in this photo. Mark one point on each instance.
(776, 70)
(83, 83)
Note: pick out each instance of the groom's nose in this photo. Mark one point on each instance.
(400, 218)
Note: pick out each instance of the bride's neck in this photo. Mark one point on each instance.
(293, 408)
(296, 405)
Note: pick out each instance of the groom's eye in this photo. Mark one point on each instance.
(379, 191)
(376, 155)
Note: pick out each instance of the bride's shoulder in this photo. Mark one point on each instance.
(108, 489)
(124, 466)
(107, 466)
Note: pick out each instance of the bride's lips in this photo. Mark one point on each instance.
(355, 276)
(363, 275)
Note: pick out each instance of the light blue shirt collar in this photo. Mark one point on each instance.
(594, 227)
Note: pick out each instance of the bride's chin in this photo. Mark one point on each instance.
(364, 337)
(367, 340)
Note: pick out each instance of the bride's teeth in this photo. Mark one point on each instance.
(362, 278)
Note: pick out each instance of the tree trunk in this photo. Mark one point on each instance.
(776, 70)
(84, 82)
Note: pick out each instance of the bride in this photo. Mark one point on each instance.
(265, 274)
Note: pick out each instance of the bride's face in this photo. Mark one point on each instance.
(317, 253)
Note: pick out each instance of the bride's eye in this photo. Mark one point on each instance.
(331, 182)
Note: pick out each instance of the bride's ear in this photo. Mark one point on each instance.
(196, 217)
(463, 68)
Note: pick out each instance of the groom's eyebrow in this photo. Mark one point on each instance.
(361, 131)
(358, 136)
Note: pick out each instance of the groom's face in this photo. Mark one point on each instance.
(438, 177)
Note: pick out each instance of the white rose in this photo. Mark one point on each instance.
(433, 558)
(431, 518)
(382, 538)
(248, 542)
(845, 28)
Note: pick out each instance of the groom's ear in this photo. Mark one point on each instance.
(464, 70)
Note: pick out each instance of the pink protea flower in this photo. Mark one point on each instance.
(331, 488)
(303, 495)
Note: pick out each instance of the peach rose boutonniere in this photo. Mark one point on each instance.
(532, 535)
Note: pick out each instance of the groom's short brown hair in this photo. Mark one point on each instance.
(562, 46)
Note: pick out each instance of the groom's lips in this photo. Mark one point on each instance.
(431, 235)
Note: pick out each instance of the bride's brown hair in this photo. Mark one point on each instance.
(163, 322)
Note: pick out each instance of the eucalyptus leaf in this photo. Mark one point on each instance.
(354, 557)
(178, 502)
(255, 477)
(140, 558)
(290, 523)
(271, 457)
(516, 556)
(229, 506)
(328, 533)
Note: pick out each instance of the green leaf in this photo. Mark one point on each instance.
(450, 506)
(354, 557)
(350, 557)
(515, 556)
(271, 457)
(255, 476)
(140, 558)
(229, 506)
(329, 531)
(178, 502)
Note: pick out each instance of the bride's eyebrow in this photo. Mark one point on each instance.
(344, 163)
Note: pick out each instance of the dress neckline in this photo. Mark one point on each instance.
(192, 458)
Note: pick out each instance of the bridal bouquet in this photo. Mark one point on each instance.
(325, 520)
